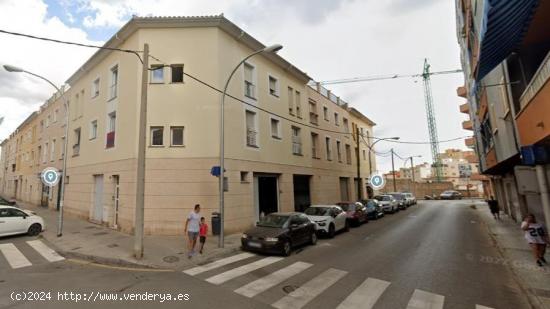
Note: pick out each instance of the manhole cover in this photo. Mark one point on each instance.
(171, 259)
(112, 246)
(100, 233)
(289, 288)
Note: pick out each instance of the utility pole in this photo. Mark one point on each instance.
(357, 155)
(413, 183)
(140, 186)
(393, 172)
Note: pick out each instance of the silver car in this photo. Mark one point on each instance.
(388, 203)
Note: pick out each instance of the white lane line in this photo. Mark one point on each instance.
(365, 295)
(245, 269)
(219, 263)
(15, 258)
(256, 287)
(482, 307)
(45, 251)
(303, 295)
(424, 300)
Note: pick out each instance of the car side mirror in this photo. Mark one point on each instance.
(25, 216)
(293, 226)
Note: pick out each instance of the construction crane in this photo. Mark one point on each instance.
(430, 111)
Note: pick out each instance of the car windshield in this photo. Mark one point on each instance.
(397, 196)
(273, 221)
(371, 204)
(347, 207)
(317, 211)
(382, 198)
(448, 192)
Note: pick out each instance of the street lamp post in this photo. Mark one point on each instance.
(269, 49)
(412, 173)
(14, 69)
(371, 148)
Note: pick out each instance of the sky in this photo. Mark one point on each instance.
(328, 39)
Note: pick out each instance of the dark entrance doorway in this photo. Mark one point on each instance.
(302, 198)
(59, 192)
(370, 192)
(44, 196)
(268, 196)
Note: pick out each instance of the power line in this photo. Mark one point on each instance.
(382, 77)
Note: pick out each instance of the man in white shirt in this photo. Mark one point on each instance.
(192, 227)
(536, 236)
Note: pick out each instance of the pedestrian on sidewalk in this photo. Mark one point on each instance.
(536, 236)
(203, 231)
(493, 206)
(192, 228)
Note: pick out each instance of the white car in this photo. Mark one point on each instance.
(328, 219)
(18, 221)
(388, 203)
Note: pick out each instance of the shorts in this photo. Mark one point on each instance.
(192, 235)
(202, 239)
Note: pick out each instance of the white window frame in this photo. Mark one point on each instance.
(151, 128)
(94, 91)
(326, 113)
(113, 94)
(93, 130)
(254, 81)
(328, 148)
(279, 135)
(157, 68)
(336, 119)
(52, 150)
(298, 103)
(256, 128)
(299, 140)
(172, 136)
(339, 151)
(277, 91)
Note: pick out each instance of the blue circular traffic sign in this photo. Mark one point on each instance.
(377, 181)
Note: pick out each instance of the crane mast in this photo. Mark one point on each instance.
(430, 115)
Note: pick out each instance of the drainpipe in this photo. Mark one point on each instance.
(544, 193)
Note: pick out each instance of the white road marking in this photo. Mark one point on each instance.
(219, 263)
(482, 307)
(15, 258)
(45, 251)
(303, 295)
(256, 287)
(424, 300)
(239, 271)
(365, 295)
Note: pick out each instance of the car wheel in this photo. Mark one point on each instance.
(34, 229)
(287, 249)
(313, 239)
(331, 230)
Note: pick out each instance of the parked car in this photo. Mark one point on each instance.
(450, 195)
(388, 203)
(400, 198)
(279, 233)
(15, 221)
(374, 209)
(356, 212)
(329, 219)
(411, 199)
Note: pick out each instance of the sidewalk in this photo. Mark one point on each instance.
(84, 240)
(517, 255)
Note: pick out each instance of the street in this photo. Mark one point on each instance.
(437, 254)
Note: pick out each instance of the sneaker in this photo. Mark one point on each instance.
(539, 263)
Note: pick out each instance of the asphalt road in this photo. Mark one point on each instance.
(434, 255)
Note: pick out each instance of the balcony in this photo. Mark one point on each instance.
(467, 125)
(110, 140)
(251, 138)
(313, 118)
(461, 92)
(534, 118)
(465, 108)
(470, 142)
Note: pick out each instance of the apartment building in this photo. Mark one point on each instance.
(289, 141)
(505, 53)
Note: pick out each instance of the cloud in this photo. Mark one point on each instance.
(406, 6)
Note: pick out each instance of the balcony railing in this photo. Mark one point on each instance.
(296, 148)
(251, 137)
(537, 82)
(110, 140)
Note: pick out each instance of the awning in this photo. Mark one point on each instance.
(503, 27)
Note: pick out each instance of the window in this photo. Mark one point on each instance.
(244, 177)
(296, 141)
(275, 128)
(111, 129)
(176, 136)
(291, 101)
(157, 136)
(364, 154)
(62, 148)
(55, 113)
(249, 87)
(48, 121)
(177, 73)
(328, 148)
(314, 145)
(348, 154)
(81, 104)
(346, 125)
(298, 105)
(45, 153)
(41, 125)
(339, 151)
(52, 150)
(157, 74)
(273, 86)
(325, 112)
(93, 129)
(336, 119)
(251, 131)
(38, 154)
(313, 117)
(113, 87)
(95, 88)
(76, 145)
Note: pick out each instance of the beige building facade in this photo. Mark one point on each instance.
(289, 142)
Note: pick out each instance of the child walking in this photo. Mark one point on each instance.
(202, 233)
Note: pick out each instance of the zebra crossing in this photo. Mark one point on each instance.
(16, 259)
(364, 296)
